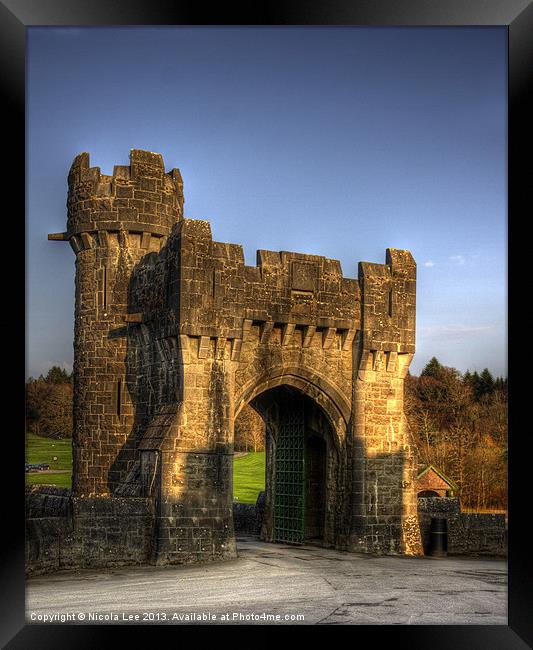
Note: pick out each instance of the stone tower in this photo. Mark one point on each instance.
(174, 334)
(113, 222)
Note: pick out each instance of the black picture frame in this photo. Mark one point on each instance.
(517, 16)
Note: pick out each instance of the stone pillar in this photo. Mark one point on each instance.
(195, 520)
(385, 516)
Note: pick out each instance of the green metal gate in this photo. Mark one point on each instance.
(289, 471)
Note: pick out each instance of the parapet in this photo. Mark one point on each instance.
(389, 303)
(214, 292)
(138, 198)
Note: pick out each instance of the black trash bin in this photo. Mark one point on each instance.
(438, 537)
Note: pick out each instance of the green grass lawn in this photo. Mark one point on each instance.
(43, 450)
(249, 476)
(248, 471)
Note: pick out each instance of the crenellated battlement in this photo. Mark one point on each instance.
(388, 311)
(217, 294)
(215, 291)
(139, 198)
(145, 169)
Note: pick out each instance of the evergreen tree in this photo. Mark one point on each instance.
(500, 384)
(57, 375)
(433, 368)
(487, 382)
(475, 383)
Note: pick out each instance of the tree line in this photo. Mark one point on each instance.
(456, 422)
(459, 424)
(49, 411)
(49, 404)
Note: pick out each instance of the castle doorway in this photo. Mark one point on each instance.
(297, 438)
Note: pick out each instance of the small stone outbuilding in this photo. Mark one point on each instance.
(432, 482)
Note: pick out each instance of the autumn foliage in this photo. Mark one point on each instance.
(49, 404)
(456, 422)
(459, 424)
(249, 431)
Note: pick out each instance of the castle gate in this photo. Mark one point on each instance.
(174, 333)
(301, 467)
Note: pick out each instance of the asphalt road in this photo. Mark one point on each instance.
(268, 580)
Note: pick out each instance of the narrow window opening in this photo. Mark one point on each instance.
(119, 397)
(390, 302)
(105, 287)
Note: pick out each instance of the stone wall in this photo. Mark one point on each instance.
(246, 519)
(469, 533)
(249, 517)
(68, 532)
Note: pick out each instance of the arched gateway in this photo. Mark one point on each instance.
(174, 333)
(303, 458)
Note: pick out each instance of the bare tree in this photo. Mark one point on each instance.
(461, 432)
(249, 431)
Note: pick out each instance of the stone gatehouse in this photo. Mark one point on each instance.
(174, 334)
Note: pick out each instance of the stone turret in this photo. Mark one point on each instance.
(113, 222)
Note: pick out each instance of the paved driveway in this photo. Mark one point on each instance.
(269, 580)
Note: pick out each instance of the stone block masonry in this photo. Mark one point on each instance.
(469, 533)
(68, 532)
(174, 334)
(113, 223)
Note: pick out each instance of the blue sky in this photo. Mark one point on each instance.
(332, 141)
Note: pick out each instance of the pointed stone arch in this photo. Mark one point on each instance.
(335, 405)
